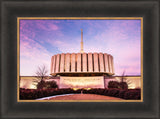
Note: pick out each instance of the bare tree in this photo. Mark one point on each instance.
(123, 79)
(41, 74)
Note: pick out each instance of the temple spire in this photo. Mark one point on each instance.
(81, 41)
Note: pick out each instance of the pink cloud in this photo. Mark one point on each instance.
(129, 69)
(32, 55)
(127, 54)
(65, 46)
(46, 26)
(53, 26)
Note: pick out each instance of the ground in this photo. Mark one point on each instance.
(83, 97)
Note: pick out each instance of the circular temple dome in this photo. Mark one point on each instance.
(73, 64)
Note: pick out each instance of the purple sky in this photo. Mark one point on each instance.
(40, 39)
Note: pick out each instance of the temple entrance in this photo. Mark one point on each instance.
(81, 82)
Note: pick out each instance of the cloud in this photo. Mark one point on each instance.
(64, 46)
(46, 26)
(32, 54)
(123, 43)
(53, 27)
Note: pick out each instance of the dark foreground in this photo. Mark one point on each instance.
(129, 94)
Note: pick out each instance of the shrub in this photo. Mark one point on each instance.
(130, 94)
(113, 84)
(123, 85)
(118, 85)
(46, 85)
(41, 84)
(51, 84)
(106, 92)
(113, 92)
(121, 93)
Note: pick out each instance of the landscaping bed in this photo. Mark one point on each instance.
(129, 94)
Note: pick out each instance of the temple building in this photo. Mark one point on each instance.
(82, 70)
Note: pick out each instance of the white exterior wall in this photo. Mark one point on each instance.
(27, 82)
(77, 62)
(81, 82)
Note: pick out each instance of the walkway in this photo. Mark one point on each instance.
(82, 97)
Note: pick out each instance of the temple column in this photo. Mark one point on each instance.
(84, 62)
(101, 62)
(54, 64)
(51, 65)
(90, 62)
(110, 63)
(62, 63)
(78, 62)
(96, 67)
(67, 63)
(73, 58)
(57, 63)
(106, 62)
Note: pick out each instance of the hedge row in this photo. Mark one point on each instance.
(26, 94)
(130, 94)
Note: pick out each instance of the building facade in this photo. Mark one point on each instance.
(82, 63)
(82, 70)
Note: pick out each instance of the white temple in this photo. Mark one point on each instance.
(82, 70)
(82, 65)
(67, 63)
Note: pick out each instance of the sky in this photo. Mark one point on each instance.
(41, 39)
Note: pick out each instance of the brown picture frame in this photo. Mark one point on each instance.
(148, 9)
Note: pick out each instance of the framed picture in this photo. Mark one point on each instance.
(19, 26)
